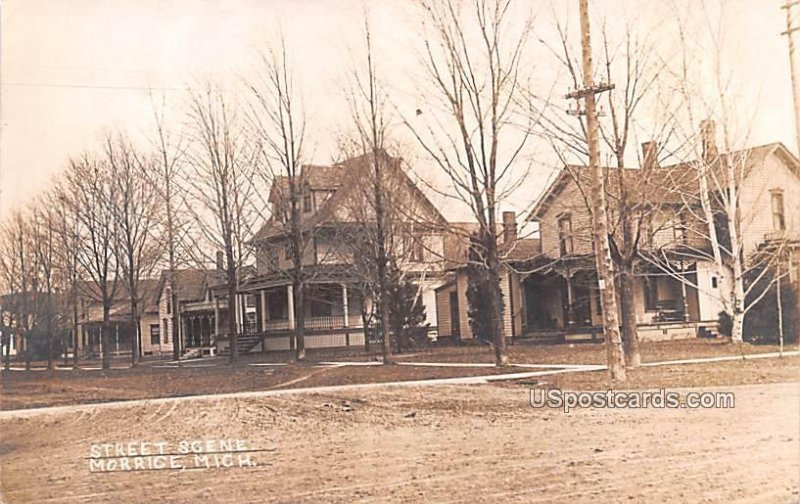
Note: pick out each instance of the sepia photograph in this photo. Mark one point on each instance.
(412, 251)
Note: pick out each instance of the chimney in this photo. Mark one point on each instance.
(708, 138)
(220, 261)
(509, 226)
(649, 155)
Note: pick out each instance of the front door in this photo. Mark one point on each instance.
(455, 319)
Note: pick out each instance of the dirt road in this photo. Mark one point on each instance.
(447, 444)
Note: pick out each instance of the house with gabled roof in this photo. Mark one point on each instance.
(334, 201)
(562, 291)
(200, 311)
(120, 326)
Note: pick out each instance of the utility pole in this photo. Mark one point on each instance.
(605, 268)
(790, 29)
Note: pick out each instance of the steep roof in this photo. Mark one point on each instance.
(669, 184)
(344, 179)
(191, 283)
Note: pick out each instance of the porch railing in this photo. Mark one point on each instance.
(314, 323)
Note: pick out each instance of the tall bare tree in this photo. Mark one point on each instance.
(68, 235)
(279, 126)
(632, 65)
(16, 258)
(475, 62)
(368, 106)
(135, 212)
(43, 241)
(223, 185)
(90, 193)
(165, 180)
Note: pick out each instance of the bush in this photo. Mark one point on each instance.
(725, 324)
(406, 313)
(761, 322)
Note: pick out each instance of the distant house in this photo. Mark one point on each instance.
(336, 212)
(120, 327)
(562, 298)
(200, 312)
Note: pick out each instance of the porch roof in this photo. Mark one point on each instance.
(320, 274)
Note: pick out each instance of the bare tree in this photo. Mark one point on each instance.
(475, 61)
(135, 212)
(279, 127)
(44, 243)
(15, 267)
(714, 201)
(68, 235)
(165, 180)
(632, 66)
(89, 192)
(223, 186)
(368, 104)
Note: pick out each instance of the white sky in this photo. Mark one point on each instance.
(74, 70)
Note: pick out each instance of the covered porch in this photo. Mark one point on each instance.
(266, 319)
(563, 303)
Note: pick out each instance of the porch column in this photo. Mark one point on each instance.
(346, 315)
(290, 305)
(216, 316)
(240, 312)
(570, 301)
(345, 306)
(684, 297)
(263, 310)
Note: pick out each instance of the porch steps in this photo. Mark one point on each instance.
(247, 342)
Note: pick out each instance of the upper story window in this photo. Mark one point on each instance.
(287, 252)
(169, 301)
(778, 217)
(417, 252)
(565, 234)
(307, 204)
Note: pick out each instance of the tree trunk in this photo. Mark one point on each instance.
(497, 336)
(104, 337)
(233, 336)
(176, 337)
(630, 335)
(135, 344)
(49, 329)
(779, 303)
(27, 340)
(76, 334)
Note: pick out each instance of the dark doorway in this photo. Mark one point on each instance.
(455, 319)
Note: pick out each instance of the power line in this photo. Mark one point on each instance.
(88, 86)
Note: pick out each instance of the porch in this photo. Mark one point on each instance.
(266, 321)
(563, 304)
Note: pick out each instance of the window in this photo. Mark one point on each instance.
(650, 293)
(169, 301)
(414, 248)
(714, 282)
(272, 256)
(166, 330)
(155, 334)
(778, 217)
(307, 201)
(287, 252)
(277, 307)
(679, 228)
(565, 235)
